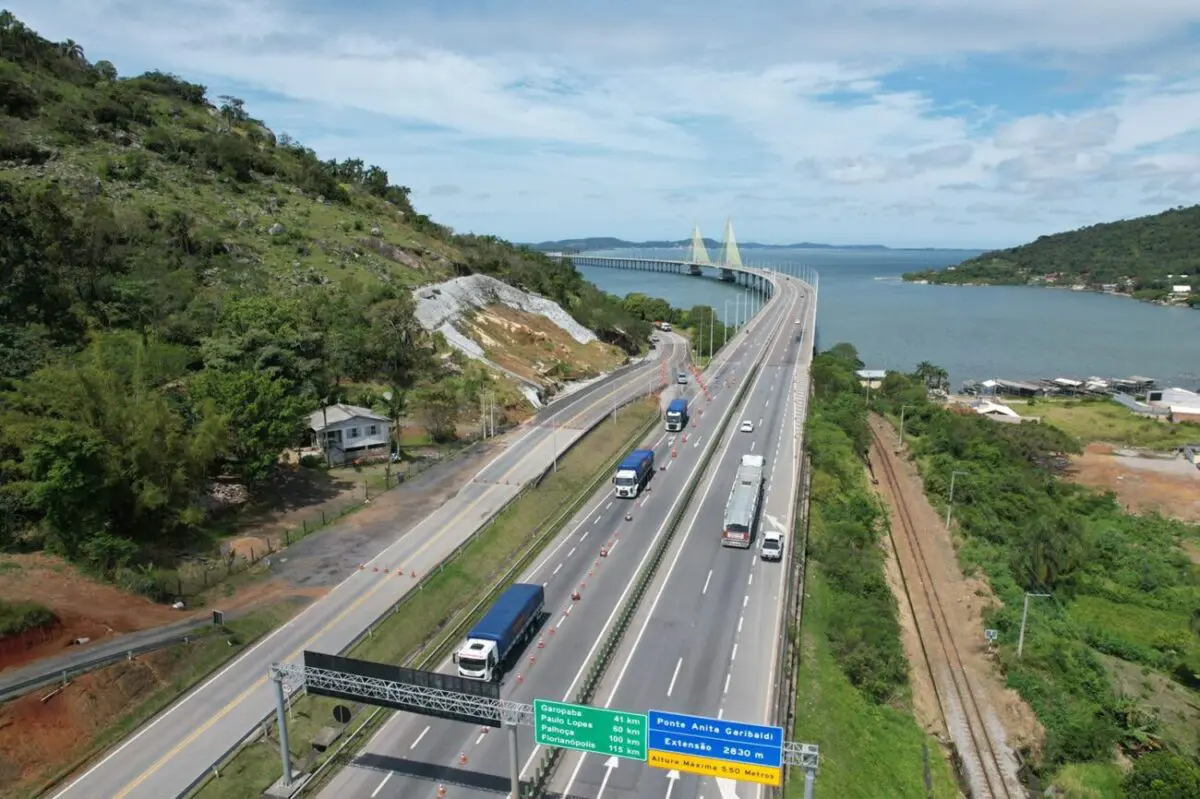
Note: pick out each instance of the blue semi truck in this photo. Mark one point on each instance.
(634, 472)
(677, 415)
(502, 631)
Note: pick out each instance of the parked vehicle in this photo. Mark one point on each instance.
(677, 415)
(634, 472)
(502, 631)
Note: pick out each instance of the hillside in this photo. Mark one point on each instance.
(180, 286)
(1145, 257)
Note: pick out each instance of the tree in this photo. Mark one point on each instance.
(1162, 775)
(261, 418)
(933, 377)
(106, 70)
(439, 409)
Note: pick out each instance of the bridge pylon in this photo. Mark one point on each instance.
(699, 253)
(730, 255)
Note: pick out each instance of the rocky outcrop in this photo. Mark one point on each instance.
(445, 303)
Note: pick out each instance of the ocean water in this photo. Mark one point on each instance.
(974, 332)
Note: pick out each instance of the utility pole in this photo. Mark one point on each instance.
(285, 753)
(514, 764)
(950, 504)
(554, 443)
(725, 327)
(712, 324)
(1024, 616)
(903, 408)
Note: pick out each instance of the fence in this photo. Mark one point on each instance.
(550, 531)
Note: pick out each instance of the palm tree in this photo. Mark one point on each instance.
(72, 50)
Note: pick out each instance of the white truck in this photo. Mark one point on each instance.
(741, 510)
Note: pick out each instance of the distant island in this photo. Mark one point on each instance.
(610, 243)
(1153, 258)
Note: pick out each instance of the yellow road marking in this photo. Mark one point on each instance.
(332, 623)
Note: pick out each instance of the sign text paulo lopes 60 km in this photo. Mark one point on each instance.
(716, 747)
(589, 729)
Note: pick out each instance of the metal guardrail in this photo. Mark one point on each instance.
(253, 735)
(429, 654)
(550, 758)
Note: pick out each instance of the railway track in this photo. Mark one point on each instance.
(988, 772)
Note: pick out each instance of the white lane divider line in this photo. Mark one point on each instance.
(741, 619)
(419, 737)
(597, 519)
(745, 600)
(572, 552)
(706, 579)
(479, 740)
(674, 675)
(614, 546)
(726, 689)
(556, 569)
(585, 535)
(379, 787)
(751, 580)
(733, 657)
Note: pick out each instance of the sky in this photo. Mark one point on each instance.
(909, 123)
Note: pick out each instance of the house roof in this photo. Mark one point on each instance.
(871, 374)
(336, 414)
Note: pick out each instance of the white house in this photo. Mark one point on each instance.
(996, 410)
(1177, 400)
(871, 378)
(346, 432)
(1181, 290)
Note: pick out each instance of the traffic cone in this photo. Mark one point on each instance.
(441, 790)
(462, 758)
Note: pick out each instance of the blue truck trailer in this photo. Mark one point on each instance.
(634, 472)
(502, 631)
(677, 415)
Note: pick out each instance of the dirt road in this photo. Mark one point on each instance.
(984, 721)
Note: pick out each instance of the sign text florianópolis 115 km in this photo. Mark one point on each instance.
(589, 729)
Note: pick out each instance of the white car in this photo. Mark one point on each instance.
(747, 426)
(772, 545)
(681, 378)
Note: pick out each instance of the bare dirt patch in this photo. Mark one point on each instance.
(1170, 486)
(545, 354)
(85, 608)
(960, 601)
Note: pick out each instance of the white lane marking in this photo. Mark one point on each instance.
(753, 561)
(767, 404)
(706, 579)
(696, 443)
(596, 520)
(585, 535)
(479, 740)
(572, 552)
(674, 675)
(668, 466)
(745, 600)
(741, 619)
(751, 580)
(733, 657)
(752, 443)
(379, 787)
(419, 737)
(609, 505)
(726, 689)
(720, 712)
(760, 421)
(556, 570)
(614, 546)
(562, 621)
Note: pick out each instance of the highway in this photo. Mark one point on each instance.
(705, 640)
(175, 749)
(412, 755)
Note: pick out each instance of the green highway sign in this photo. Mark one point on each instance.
(589, 729)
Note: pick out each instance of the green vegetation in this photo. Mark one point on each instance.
(154, 682)
(696, 321)
(20, 617)
(1104, 420)
(1112, 659)
(1162, 776)
(853, 694)
(179, 286)
(1137, 256)
(419, 627)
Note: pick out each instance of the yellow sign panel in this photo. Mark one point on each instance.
(711, 767)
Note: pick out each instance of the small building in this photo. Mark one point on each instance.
(1179, 401)
(871, 378)
(348, 432)
(1014, 388)
(996, 411)
(1181, 290)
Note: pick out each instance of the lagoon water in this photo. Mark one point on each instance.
(974, 332)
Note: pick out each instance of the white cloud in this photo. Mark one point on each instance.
(536, 120)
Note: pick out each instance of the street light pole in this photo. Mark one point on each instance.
(712, 323)
(1024, 616)
(725, 327)
(903, 408)
(950, 504)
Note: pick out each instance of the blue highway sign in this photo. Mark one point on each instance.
(715, 739)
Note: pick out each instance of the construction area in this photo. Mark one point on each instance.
(1143, 482)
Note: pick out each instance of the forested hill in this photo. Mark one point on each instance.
(1144, 256)
(179, 287)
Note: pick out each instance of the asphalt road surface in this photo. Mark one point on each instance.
(170, 753)
(705, 643)
(412, 755)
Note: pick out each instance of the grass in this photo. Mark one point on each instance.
(1104, 420)
(867, 750)
(1089, 781)
(456, 588)
(20, 617)
(178, 669)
